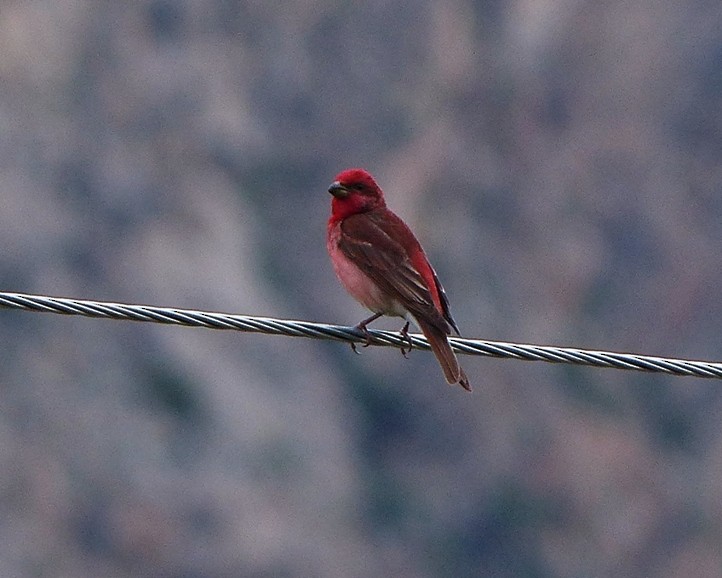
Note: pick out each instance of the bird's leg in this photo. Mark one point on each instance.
(362, 328)
(405, 334)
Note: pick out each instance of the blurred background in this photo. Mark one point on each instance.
(560, 161)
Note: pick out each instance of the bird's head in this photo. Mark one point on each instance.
(354, 191)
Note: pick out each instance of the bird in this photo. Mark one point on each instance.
(382, 265)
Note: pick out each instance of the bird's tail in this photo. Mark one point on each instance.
(444, 354)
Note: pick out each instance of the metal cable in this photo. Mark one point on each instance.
(188, 317)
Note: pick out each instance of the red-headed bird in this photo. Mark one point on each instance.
(382, 265)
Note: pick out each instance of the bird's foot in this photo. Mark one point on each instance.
(362, 328)
(367, 335)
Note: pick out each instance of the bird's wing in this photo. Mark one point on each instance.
(372, 242)
(445, 303)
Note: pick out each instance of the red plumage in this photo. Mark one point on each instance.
(383, 266)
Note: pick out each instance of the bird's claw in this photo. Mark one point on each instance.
(362, 328)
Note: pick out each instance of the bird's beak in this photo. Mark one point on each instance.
(338, 190)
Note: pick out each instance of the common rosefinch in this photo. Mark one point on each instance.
(382, 265)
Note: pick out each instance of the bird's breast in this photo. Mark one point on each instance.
(356, 282)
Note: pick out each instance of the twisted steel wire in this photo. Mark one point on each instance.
(253, 324)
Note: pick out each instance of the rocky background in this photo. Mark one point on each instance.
(561, 162)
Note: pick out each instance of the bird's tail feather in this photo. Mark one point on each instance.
(444, 354)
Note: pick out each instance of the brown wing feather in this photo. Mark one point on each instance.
(386, 261)
(387, 221)
(445, 303)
